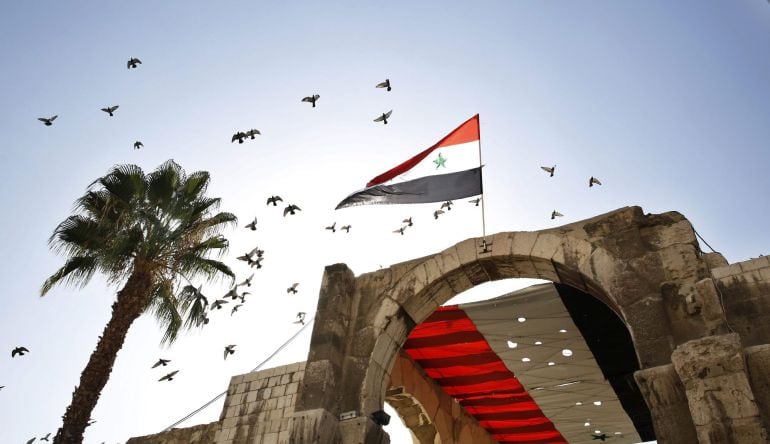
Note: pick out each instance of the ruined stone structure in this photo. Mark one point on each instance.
(699, 327)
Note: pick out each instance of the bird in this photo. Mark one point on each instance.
(401, 230)
(346, 228)
(475, 201)
(169, 377)
(138, 145)
(229, 350)
(252, 132)
(247, 281)
(200, 298)
(448, 205)
(48, 121)
(243, 297)
(556, 214)
(45, 438)
(312, 99)
(218, 304)
(291, 209)
(300, 318)
(252, 225)
(436, 213)
(601, 437)
(19, 351)
(161, 361)
(408, 221)
(232, 312)
(232, 294)
(593, 181)
(239, 136)
(257, 263)
(132, 62)
(110, 109)
(332, 227)
(31, 441)
(257, 251)
(2, 387)
(385, 84)
(274, 200)
(293, 288)
(549, 169)
(384, 117)
(205, 319)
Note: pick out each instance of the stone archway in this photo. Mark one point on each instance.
(647, 268)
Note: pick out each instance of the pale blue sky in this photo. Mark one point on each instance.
(666, 102)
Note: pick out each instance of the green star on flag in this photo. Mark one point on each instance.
(440, 161)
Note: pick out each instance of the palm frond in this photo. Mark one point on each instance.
(77, 270)
(165, 308)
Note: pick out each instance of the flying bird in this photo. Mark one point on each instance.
(205, 319)
(407, 221)
(132, 62)
(346, 228)
(45, 438)
(247, 281)
(400, 230)
(274, 200)
(239, 136)
(229, 350)
(475, 201)
(437, 213)
(31, 441)
(312, 99)
(293, 288)
(169, 377)
(47, 121)
(138, 145)
(161, 361)
(243, 297)
(291, 209)
(550, 170)
(110, 109)
(593, 181)
(257, 251)
(556, 214)
(300, 318)
(448, 205)
(19, 351)
(218, 304)
(385, 84)
(252, 132)
(257, 263)
(384, 117)
(232, 294)
(232, 312)
(332, 227)
(252, 225)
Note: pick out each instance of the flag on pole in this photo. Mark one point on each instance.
(448, 170)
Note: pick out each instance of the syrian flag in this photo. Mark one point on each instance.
(447, 170)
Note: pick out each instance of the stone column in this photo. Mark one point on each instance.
(758, 366)
(721, 400)
(666, 399)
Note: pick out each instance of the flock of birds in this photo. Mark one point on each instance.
(551, 170)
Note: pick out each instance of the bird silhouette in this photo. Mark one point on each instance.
(550, 170)
(205, 319)
(556, 214)
(437, 213)
(274, 200)
(601, 437)
(47, 121)
(252, 132)
(300, 318)
(252, 225)
(346, 228)
(257, 263)
(384, 117)
(291, 209)
(385, 84)
(312, 99)
(235, 308)
(332, 227)
(229, 350)
(31, 441)
(232, 294)
(407, 221)
(19, 351)
(247, 281)
(132, 62)
(243, 297)
(448, 205)
(401, 230)
(293, 288)
(475, 201)
(161, 361)
(217, 305)
(239, 136)
(2, 387)
(169, 377)
(593, 181)
(110, 109)
(256, 251)
(45, 438)
(138, 145)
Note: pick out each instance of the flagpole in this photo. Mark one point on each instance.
(483, 215)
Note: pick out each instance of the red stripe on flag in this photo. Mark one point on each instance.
(467, 132)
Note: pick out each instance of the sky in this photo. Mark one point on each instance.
(665, 102)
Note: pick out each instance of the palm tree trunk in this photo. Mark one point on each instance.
(130, 304)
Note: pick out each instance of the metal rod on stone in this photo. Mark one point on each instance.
(483, 215)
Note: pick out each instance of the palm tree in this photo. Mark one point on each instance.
(146, 234)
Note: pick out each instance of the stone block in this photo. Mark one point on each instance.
(548, 246)
(278, 390)
(723, 272)
(291, 388)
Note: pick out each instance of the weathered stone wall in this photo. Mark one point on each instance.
(745, 292)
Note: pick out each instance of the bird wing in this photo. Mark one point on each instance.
(316, 96)
(387, 114)
(236, 136)
(382, 84)
(596, 181)
(307, 99)
(380, 118)
(53, 118)
(160, 361)
(106, 110)
(43, 119)
(297, 208)
(286, 210)
(547, 169)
